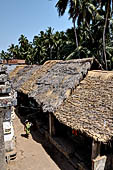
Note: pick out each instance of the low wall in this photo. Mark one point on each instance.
(2, 147)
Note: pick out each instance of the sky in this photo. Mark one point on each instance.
(28, 17)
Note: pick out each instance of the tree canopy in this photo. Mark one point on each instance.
(93, 27)
(48, 45)
(91, 36)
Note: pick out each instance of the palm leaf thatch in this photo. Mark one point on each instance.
(21, 74)
(84, 104)
(90, 108)
(51, 83)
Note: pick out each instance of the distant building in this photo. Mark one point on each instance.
(11, 64)
(14, 61)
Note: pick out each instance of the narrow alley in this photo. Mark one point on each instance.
(35, 154)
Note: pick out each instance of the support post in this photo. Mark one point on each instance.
(51, 125)
(99, 163)
(95, 149)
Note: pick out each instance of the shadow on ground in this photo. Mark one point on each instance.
(55, 155)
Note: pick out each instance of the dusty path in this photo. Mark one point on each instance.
(33, 153)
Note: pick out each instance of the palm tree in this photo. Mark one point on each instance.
(23, 46)
(73, 12)
(23, 40)
(92, 21)
(4, 55)
(40, 49)
(80, 11)
(107, 7)
(11, 51)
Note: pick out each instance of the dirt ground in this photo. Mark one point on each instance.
(36, 153)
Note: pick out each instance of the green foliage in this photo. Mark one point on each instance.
(48, 45)
(91, 36)
(93, 26)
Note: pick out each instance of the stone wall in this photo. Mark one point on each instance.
(2, 149)
(7, 100)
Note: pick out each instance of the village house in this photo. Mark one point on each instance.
(13, 62)
(75, 103)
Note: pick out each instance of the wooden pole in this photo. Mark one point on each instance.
(51, 125)
(95, 149)
(99, 163)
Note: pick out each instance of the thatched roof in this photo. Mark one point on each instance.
(21, 74)
(51, 83)
(90, 108)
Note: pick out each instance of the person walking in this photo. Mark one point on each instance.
(27, 128)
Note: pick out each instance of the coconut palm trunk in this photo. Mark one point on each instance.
(2, 147)
(104, 34)
(76, 38)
